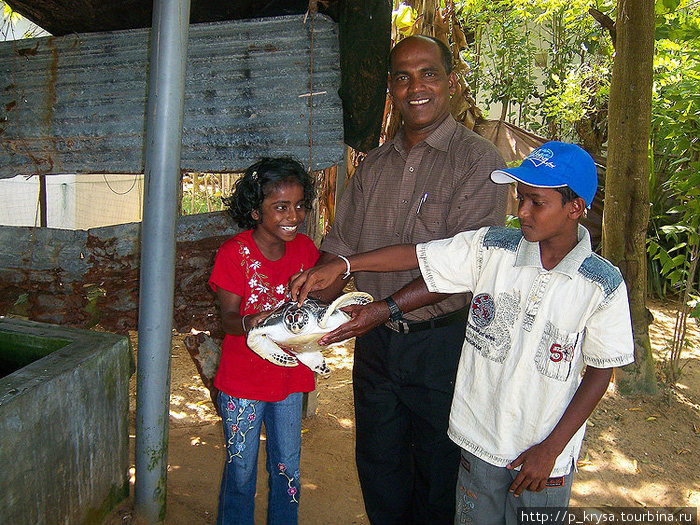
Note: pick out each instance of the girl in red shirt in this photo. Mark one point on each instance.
(250, 275)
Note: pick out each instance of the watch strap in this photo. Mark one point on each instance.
(395, 311)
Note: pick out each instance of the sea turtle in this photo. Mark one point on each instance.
(298, 329)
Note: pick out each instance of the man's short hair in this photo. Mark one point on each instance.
(445, 52)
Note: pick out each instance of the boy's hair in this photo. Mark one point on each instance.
(261, 179)
(445, 52)
(567, 194)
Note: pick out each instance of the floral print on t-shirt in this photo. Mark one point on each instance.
(263, 296)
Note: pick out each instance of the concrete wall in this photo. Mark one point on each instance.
(83, 277)
(64, 423)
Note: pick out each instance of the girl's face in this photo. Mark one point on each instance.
(281, 213)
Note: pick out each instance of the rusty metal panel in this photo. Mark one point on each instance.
(76, 104)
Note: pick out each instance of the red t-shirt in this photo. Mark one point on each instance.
(241, 268)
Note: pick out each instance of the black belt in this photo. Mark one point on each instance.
(406, 327)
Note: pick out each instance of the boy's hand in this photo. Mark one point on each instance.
(253, 320)
(537, 461)
(537, 464)
(317, 278)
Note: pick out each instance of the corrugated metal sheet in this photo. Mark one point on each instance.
(76, 104)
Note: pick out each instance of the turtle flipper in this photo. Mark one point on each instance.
(268, 349)
(315, 361)
(344, 300)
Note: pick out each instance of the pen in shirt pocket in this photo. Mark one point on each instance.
(421, 201)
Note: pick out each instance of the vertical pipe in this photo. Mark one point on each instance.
(164, 116)
(43, 214)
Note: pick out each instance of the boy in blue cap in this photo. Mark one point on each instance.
(544, 307)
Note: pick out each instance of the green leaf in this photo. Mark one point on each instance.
(671, 5)
(675, 277)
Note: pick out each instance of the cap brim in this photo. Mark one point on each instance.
(526, 175)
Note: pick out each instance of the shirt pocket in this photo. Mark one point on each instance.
(431, 220)
(556, 351)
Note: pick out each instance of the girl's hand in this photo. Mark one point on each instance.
(253, 320)
(314, 279)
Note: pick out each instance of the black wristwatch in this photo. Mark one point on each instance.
(396, 312)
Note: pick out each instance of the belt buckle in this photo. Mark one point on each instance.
(400, 326)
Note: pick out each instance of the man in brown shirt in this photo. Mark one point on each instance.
(430, 182)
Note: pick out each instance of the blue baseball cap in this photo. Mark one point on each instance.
(555, 165)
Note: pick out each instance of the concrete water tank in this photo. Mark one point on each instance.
(64, 420)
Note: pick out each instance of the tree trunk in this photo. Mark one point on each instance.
(626, 211)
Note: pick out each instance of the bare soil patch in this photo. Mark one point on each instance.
(639, 451)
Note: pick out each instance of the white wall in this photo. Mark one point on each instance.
(74, 202)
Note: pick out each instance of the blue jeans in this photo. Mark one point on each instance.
(242, 422)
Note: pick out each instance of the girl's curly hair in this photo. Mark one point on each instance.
(261, 179)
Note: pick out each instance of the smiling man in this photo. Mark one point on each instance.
(430, 182)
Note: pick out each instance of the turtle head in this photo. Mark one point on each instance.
(296, 318)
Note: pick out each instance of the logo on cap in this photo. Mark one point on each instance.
(541, 156)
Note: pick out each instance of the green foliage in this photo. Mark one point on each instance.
(675, 175)
(547, 58)
(200, 201)
(502, 60)
(581, 105)
(202, 192)
(512, 221)
(673, 244)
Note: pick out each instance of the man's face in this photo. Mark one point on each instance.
(419, 85)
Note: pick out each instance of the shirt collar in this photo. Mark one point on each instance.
(438, 139)
(528, 254)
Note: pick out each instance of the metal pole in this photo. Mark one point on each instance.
(166, 87)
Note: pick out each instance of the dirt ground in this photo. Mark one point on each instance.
(638, 452)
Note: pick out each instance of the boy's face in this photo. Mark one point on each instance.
(543, 217)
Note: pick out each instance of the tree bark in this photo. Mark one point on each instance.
(626, 211)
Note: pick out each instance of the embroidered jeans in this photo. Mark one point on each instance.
(242, 423)
(483, 497)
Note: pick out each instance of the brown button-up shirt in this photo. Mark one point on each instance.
(435, 190)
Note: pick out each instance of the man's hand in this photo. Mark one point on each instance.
(363, 319)
(537, 464)
(317, 278)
